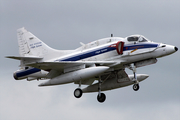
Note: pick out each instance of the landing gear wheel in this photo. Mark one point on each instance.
(136, 87)
(78, 93)
(101, 98)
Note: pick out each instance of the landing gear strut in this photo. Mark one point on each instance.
(101, 97)
(136, 82)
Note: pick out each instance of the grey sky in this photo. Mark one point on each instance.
(62, 25)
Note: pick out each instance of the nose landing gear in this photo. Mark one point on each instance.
(101, 97)
(136, 82)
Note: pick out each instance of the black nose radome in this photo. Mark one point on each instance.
(176, 49)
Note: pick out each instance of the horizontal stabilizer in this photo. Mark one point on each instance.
(24, 58)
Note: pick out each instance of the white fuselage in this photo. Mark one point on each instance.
(101, 50)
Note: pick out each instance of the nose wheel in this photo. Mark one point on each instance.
(101, 97)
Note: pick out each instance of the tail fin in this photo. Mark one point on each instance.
(32, 49)
(30, 45)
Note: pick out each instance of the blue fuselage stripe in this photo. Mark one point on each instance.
(89, 54)
(106, 49)
(139, 46)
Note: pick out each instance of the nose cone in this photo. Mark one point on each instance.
(175, 48)
(171, 49)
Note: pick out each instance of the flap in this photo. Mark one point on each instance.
(120, 76)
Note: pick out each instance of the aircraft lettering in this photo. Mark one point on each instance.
(38, 45)
(32, 46)
(104, 50)
(97, 52)
(35, 45)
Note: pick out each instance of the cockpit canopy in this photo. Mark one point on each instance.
(137, 38)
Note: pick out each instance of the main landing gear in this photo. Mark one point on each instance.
(78, 92)
(136, 82)
(101, 97)
(136, 87)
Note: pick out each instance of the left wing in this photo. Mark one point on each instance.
(24, 58)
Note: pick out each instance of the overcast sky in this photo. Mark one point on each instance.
(62, 25)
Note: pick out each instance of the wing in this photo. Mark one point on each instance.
(24, 58)
(57, 68)
(62, 65)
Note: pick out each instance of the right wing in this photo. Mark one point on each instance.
(57, 68)
(62, 65)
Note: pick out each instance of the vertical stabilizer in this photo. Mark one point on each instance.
(32, 49)
(30, 45)
(23, 47)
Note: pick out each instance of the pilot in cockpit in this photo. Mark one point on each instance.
(137, 38)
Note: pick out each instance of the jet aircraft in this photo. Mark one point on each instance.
(99, 64)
